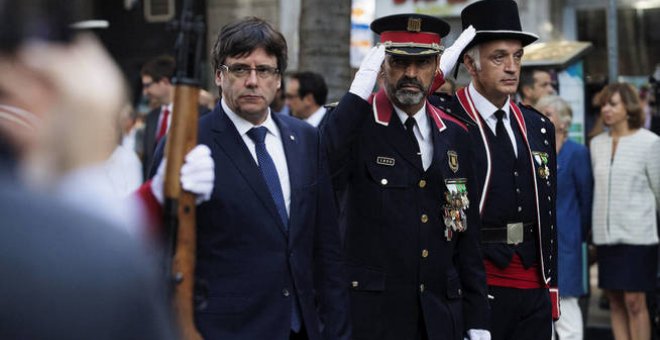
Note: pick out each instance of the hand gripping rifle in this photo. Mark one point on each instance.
(180, 205)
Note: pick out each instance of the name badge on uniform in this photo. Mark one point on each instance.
(541, 159)
(385, 161)
(456, 203)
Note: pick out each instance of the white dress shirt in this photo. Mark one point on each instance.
(274, 146)
(487, 111)
(169, 107)
(422, 132)
(315, 118)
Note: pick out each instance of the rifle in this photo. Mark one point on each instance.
(179, 207)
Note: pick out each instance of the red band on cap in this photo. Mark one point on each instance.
(410, 37)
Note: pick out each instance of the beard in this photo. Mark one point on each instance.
(405, 97)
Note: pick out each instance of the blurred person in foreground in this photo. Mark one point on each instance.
(626, 163)
(574, 198)
(403, 170)
(514, 153)
(268, 249)
(67, 274)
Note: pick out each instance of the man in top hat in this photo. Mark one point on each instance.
(403, 170)
(514, 150)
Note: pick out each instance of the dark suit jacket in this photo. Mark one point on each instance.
(248, 262)
(149, 140)
(539, 136)
(67, 275)
(400, 261)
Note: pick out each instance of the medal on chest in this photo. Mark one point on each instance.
(541, 159)
(456, 204)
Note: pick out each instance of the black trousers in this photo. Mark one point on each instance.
(520, 314)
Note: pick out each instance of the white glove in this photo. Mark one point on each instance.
(365, 78)
(478, 334)
(197, 175)
(451, 54)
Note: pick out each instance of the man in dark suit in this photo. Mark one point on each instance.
(268, 251)
(156, 75)
(403, 170)
(306, 93)
(514, 151)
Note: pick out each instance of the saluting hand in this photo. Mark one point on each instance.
(451, 54)
(366, 76)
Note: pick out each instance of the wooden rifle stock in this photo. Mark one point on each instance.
(180, 207)
(180, 222)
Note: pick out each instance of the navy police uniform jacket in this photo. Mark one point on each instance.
(401, 264)
(537, 143)
(249, 265)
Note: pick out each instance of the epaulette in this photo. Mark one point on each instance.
(462, 119)
(331, 105)
(533, 109)
(440, 100)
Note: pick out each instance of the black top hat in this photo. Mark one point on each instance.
(495, 20)
(411, 34)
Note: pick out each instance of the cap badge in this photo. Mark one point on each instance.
(414, 24)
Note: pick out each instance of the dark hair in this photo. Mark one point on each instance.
(527, 78)
(629, 99)
(160, 67)
(313, 83)
(242, 37)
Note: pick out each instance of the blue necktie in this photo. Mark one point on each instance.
(268, 171)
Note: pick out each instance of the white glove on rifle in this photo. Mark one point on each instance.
(365, 78)
(197, 175)
(451, 54)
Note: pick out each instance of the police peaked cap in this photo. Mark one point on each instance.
(411, 34)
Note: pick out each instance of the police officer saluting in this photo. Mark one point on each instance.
(514, 150)
(404, 171)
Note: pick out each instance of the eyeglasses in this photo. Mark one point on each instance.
(290, 96)
(148, 85)
(242, 71)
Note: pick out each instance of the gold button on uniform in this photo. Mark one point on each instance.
(425, 253)
(424, 218)
(421, 288)
(422, 183)
(383, 181)
(354, 284)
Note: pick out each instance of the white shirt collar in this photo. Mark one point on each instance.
(243, 126)
(485, 108)
(421, 119)
(315, 118)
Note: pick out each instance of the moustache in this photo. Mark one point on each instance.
(408, 82)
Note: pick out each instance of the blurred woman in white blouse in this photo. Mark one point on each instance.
(626, 165)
